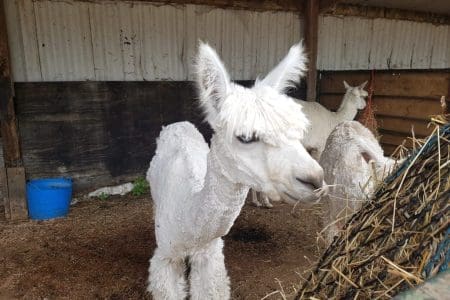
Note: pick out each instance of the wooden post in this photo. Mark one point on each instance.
(15, 201)
(311, 34)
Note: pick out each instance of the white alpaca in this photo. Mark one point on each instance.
(199, 192)
(322, 122)
(354, 164)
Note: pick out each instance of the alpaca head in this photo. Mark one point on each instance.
(258, 130)
(356, 94)
(353, 152)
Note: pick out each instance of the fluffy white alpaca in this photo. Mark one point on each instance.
(199, 192)
(322, 122)
(353, 164)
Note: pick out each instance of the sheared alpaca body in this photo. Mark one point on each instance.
(354, 165)
(322, 122)
(198, 192)
(190, 218)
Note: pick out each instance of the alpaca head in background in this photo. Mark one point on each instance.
(357, 94)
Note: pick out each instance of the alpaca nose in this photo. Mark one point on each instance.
(313, 179)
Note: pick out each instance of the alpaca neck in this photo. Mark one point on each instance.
(219, 185)
(217, 205)
(348, 109)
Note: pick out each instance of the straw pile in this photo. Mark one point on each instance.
(397, 240)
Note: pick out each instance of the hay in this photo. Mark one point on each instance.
(397, 240)
(367, 117)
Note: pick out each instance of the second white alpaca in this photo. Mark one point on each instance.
(322, 121)
(198, 191)
(354, 164)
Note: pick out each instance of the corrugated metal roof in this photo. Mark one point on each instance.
(69, 40)
(354, 43)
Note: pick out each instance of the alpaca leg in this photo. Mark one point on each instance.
(255, 200)
(266, 201)
(166, 279)
(208, 277)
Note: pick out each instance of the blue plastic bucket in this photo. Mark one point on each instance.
(49, 198)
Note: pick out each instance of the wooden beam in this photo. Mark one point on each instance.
(15, 203)
(327, 5)
(311, 36)
(345, 9)
(16, 194)
(254, 5)
(11, 148)
(4, 192)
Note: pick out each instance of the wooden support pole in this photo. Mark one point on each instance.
(15, 201)
(311, 36)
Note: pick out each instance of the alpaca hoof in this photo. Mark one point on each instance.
(256, 204)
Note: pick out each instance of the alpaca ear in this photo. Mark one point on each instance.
(346, 85)
(363, 85)
(369, 155)
(288, 72)
(213, 81)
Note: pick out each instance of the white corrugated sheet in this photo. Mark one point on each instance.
(108, 40)
(353, 43)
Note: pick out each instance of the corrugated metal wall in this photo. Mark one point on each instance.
(69, 40)
(354, 43)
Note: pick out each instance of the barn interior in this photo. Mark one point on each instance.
(86, 85)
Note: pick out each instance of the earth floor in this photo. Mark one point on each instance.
(101, 251)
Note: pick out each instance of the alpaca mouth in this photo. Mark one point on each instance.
(314, 196)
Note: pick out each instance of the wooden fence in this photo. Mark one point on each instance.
(403, 100)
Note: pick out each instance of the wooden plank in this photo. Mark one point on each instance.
(311, 37)
(16, 193)
(10, 138)
(331, 101)
(415, 108)
(332, 82)
(3, 185)
(99, 133)
(395, 140)
(431, 85)
(15, 205)
(407, 107)
(346, 9)
(4, 192)
(96, 131)
(327, 5)
(388, 149)
(255, 5)
(404, 126)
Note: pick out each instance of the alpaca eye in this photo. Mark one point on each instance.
(247, 140)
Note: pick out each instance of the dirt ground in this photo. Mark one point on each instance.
(101, 251)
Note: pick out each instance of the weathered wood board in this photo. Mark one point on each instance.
(100, 133)
(403, 100)
(16, 194)
(432, 84)
(4, 201)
